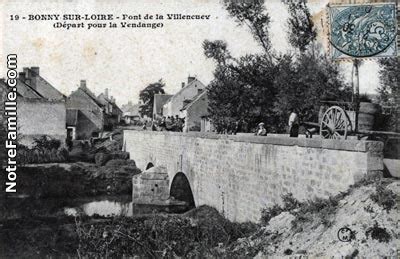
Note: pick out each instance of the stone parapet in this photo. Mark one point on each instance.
(240, 175)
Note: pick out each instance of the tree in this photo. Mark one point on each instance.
(303, 82)
(242, 88)
(389, 92)
(301, 26)
(147, 97)
(389, 75)
(254, 15)
(264, 87)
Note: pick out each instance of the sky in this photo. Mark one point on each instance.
(126, 60)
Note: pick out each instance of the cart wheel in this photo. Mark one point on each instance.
(335, 124)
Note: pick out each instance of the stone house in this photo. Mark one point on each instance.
(195, 112)
(130, 112)
(175, 103)
(113, 112)
(31, 77)
(86, 115)
(159, 101)
(41, 108)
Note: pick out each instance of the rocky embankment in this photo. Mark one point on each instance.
(370, 211)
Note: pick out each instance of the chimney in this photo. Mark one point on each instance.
(190, 79)
(30, 77)
(35, 71)
(22, 76)
(83, 84)
(112, 99)
(183, 84)
(27, 72)
(130, 103)
(106, 92)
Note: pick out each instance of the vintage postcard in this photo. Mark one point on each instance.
(199, 129)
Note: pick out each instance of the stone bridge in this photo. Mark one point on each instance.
(240, 175)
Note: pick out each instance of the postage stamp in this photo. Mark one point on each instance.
(363, 31)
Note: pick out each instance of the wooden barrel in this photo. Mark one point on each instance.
(322, 110)
(367, 114)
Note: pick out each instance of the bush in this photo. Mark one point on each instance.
(160, 236)
(303, 211)
(102, 158)
(46, 143)
(289, 204)
(384, 197)
(378, 233)
(268, 213)
(45, 151)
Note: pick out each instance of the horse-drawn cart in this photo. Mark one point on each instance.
(338, 120)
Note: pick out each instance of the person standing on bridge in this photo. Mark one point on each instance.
(294, 124)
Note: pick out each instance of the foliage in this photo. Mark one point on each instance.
(46, 143)
(218, 50)
(45, 150)
(265, 87)
(364, 98)
(147, 97)
(378, 233)
(289, 204)
(254, 15)
(384, 197)
(36, 156)
(389, 91)
(301, 27)
(304, 82)
(389, 76)
(159, 236)
(303, 211)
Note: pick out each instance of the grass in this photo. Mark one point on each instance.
(322, 209)
(384, 197)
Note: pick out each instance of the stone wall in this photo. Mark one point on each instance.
(91, 117)
(240, 175)
(37, 117)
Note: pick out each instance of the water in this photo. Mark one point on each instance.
(106, 206)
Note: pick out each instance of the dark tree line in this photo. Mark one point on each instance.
(266, 87)
(389, 91)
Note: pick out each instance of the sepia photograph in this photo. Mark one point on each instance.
(200, 129)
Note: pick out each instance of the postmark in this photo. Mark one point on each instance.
(360, 31)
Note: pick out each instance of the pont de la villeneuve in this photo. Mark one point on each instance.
(200, 129)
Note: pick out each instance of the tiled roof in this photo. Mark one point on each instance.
(91, 95)
(194, 99)
(183, 88)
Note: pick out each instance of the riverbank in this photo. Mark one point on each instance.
(152, 235)
(70, 180)
(370, 211)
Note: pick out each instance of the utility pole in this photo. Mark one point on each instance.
(356, 92)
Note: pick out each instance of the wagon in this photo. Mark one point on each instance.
(338, 120)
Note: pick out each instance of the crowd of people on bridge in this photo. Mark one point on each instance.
(174, 123)
(167, 123)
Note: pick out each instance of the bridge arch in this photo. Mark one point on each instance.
(181, 190)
